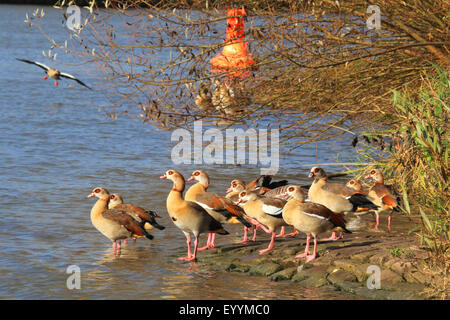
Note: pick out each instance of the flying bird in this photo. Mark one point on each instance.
(54, 73)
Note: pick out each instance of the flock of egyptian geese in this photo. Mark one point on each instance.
(258, 204)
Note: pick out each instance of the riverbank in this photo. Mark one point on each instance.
(341, 265)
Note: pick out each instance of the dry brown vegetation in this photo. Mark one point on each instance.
(316, 60)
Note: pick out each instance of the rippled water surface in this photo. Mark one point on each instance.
(55, 147)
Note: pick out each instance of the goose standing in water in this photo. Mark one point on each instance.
(188, 216)
(115, 224)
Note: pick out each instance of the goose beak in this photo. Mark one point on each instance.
(163, 177)
(191, 178)
(229, 190)
(90, 195)
(310, 175)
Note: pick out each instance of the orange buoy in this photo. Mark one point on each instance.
(234, 55)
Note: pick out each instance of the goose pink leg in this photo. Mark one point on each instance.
(194, 256)
(254, 233)
(245, 236)
(188, 241)
(282, 234)
(270, 247)
(378, 220)
(306, 253)
(209, 242)
(116, 248)
(334, 237)
(314, 255)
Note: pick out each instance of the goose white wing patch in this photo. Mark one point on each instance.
(204, 206)
(41, 65)
(272, 210)
(314, 215)
(63, 74)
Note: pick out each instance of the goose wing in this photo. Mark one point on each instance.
(41, 65)
(69, 76)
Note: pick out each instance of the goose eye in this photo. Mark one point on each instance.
(96, 190)
(352, 182)
(243, 194)
(291, 189)
(170, 172)
(113, 196)
(234, 185)
(316, 170)
(372, 172)
(196, 173)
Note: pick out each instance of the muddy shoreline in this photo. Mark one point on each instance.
(341, 265)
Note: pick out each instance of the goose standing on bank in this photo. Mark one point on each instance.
(187, 215)
(268, 211)
(310, 218)
(54, 73)
(337, 202)
(381, 196)
(115, 224)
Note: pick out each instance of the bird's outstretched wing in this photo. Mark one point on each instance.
(41, 65)
(69, 76)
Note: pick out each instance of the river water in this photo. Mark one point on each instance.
(55, 147)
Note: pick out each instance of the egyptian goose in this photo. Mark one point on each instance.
(188, 216)
(265, 210)
(54, 73)
(336, 202)
(310, 218)
(265, 182)
(238, 186)
(281, 193)
(203, 100)
(115, 224)
(342, 200)
(380, 194)
(235, 188)
(139, 214)
(220, 208)
(356, 186)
